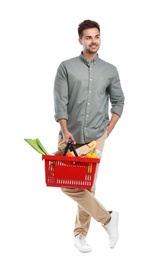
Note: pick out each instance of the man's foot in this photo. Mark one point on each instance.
(112, 229)
(81, 244)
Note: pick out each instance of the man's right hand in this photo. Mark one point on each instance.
(68, 136)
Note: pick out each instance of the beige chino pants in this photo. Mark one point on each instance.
(88, 205)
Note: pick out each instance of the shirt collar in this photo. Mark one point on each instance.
(87, 61)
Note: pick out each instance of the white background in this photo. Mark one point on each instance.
(37, 221)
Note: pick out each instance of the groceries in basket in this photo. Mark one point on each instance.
(88, 150)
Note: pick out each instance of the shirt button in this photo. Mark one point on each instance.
(88, 103)
(90, 79)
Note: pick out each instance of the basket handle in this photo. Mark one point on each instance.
(71, 147)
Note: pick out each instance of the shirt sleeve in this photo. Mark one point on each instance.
(116, 94)
(61, 93)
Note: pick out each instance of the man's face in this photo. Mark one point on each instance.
(90, 40)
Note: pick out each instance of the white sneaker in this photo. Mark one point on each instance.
(81, 244)
(112, 229)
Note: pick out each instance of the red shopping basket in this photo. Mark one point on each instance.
(70, 172)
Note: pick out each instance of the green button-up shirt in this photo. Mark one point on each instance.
(83, 91)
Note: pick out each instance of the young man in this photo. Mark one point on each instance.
(84, 87)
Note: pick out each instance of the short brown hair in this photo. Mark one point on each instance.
(86, 24)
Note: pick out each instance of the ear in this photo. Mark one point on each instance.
(80, 41)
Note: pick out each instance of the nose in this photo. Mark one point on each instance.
(93, 40)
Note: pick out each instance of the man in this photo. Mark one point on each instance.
(84, 87)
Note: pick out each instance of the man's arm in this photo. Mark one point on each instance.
(66, 134)
(113, 122)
